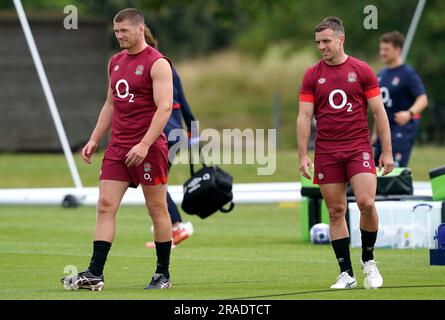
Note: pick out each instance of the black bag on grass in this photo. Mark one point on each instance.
(398, 182)
(207, 191)
(401, 183)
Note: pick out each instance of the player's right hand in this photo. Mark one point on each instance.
(87, 151)
(305, 164)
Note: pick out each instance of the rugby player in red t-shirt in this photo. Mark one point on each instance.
(137, 108)
(338, 90)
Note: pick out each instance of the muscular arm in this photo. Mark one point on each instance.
(305, 113)
(382, 125)
(161, 74)
(102, 126)
(104, 121)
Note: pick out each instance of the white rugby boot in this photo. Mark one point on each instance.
(344, 281)
(373, 279)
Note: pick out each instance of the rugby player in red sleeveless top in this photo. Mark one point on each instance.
(338, 90)
(137, 108)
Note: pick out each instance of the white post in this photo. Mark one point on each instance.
(412, 28)
(48, 93)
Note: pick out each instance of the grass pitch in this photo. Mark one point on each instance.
(254, 252)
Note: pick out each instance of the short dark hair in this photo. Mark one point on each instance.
(330, 22)
(131, 14)
(395, 38)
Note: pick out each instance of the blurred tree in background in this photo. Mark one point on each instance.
(189, 29)
(293, 21)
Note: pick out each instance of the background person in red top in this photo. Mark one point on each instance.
(338, 90)
(138, 106)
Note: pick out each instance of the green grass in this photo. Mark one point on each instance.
(252, 252)
(51, 170)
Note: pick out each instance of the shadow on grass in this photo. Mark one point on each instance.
(334, 291)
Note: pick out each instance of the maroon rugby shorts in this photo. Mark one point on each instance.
(339, 167)
(152, 171)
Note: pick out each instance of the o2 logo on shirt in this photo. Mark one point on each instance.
(385, 97)
(126, 91)
(344, 101)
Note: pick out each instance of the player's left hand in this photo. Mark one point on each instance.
(402, 117)
(137, 154)
(387, 162)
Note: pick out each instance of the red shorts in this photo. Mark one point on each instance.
(338, 167)
(153, 170)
